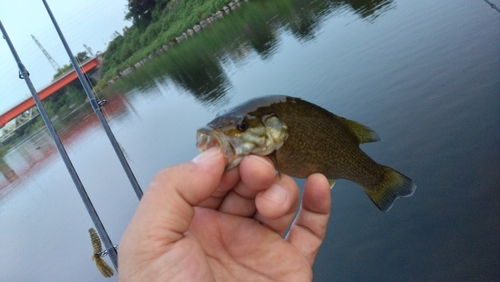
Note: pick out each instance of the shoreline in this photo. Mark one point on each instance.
(186, 34)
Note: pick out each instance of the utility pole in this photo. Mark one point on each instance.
(52, 62)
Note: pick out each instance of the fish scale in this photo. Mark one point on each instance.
(322, 139)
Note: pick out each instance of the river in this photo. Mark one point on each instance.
(424, 75)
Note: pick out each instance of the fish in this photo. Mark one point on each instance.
(301, 139)
(102, 266)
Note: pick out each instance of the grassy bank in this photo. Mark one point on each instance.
(199, 65)
(168, 23)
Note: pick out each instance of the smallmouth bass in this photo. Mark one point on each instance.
(302, 138)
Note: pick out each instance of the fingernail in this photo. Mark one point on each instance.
(207, 155)
(276, 194)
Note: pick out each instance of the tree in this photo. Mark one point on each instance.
(80, 57)
(140, 11)
(62, 70)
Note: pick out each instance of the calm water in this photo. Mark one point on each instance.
(424, 74)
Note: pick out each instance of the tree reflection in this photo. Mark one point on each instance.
(200, 74)
(369, 10)
(304, 20)
(262, 38)
(196, 65)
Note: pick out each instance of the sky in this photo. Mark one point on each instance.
(90, 22)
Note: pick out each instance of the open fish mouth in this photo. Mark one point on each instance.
(208, 137)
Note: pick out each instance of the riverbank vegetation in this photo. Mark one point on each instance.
(197, 67)
(156, 23)
(80, 57)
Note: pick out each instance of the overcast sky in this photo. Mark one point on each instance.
(90, 22)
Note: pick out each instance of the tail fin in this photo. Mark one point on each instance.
(393, 186)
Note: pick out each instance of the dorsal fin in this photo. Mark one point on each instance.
(363, 133)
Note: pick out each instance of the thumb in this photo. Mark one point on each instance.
(166, 208)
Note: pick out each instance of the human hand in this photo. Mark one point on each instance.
(198, 222)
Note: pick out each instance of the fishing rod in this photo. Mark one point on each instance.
(493, 6)
(97, 108)
(24, 74)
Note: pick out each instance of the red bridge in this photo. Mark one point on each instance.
(44, 93)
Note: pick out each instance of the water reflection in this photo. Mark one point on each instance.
(261, 38)
(28, 155)
(304, 23)
(198, 64)
(199, 73)
(25, 157)
(369, 10)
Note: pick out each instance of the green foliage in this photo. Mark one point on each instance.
(3, 151)
(169, 19)
(141, 11)
(62, 70)
(197, 65)
(80, 57)
(101, 84)
(60, 102)
(76, 95)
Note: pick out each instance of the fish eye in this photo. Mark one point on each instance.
(242, 126)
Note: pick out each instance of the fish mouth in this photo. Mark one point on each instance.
(207, 138)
